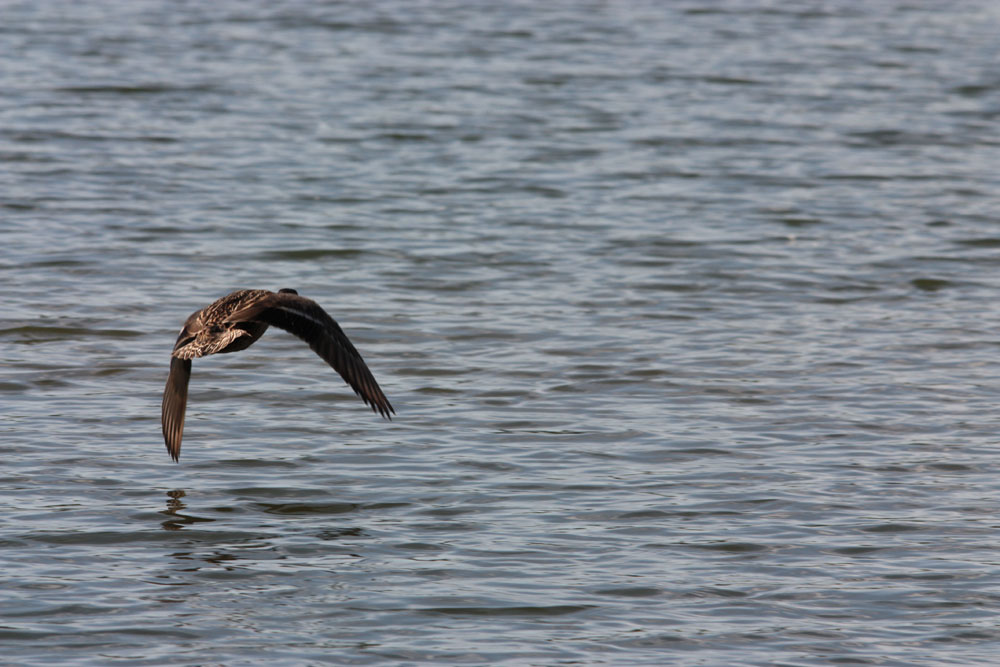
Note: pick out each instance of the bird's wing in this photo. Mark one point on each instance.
(307, 320)
(174, 404)
(189, 334)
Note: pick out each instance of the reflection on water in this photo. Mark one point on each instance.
(174, 506)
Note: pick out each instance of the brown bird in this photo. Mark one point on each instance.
(235, 322)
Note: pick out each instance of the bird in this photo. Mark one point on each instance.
(237, 321)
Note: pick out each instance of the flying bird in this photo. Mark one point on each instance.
(237, 321)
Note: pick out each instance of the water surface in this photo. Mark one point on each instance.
(687, 311)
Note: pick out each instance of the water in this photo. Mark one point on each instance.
(687, 311)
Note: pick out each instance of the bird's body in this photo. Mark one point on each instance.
(237, 321)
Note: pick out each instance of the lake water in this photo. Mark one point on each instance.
(688, 311)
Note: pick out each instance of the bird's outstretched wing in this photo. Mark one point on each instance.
(174, 404)
(307, 320)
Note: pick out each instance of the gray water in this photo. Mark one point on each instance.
(687, 309)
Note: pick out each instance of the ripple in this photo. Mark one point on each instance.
(308, 508)
(542, 611)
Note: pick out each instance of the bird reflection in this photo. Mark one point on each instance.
(174, 507)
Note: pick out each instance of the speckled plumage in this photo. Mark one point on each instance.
(237, 321)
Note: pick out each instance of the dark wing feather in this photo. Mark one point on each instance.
(306, 319)
(174, 404)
